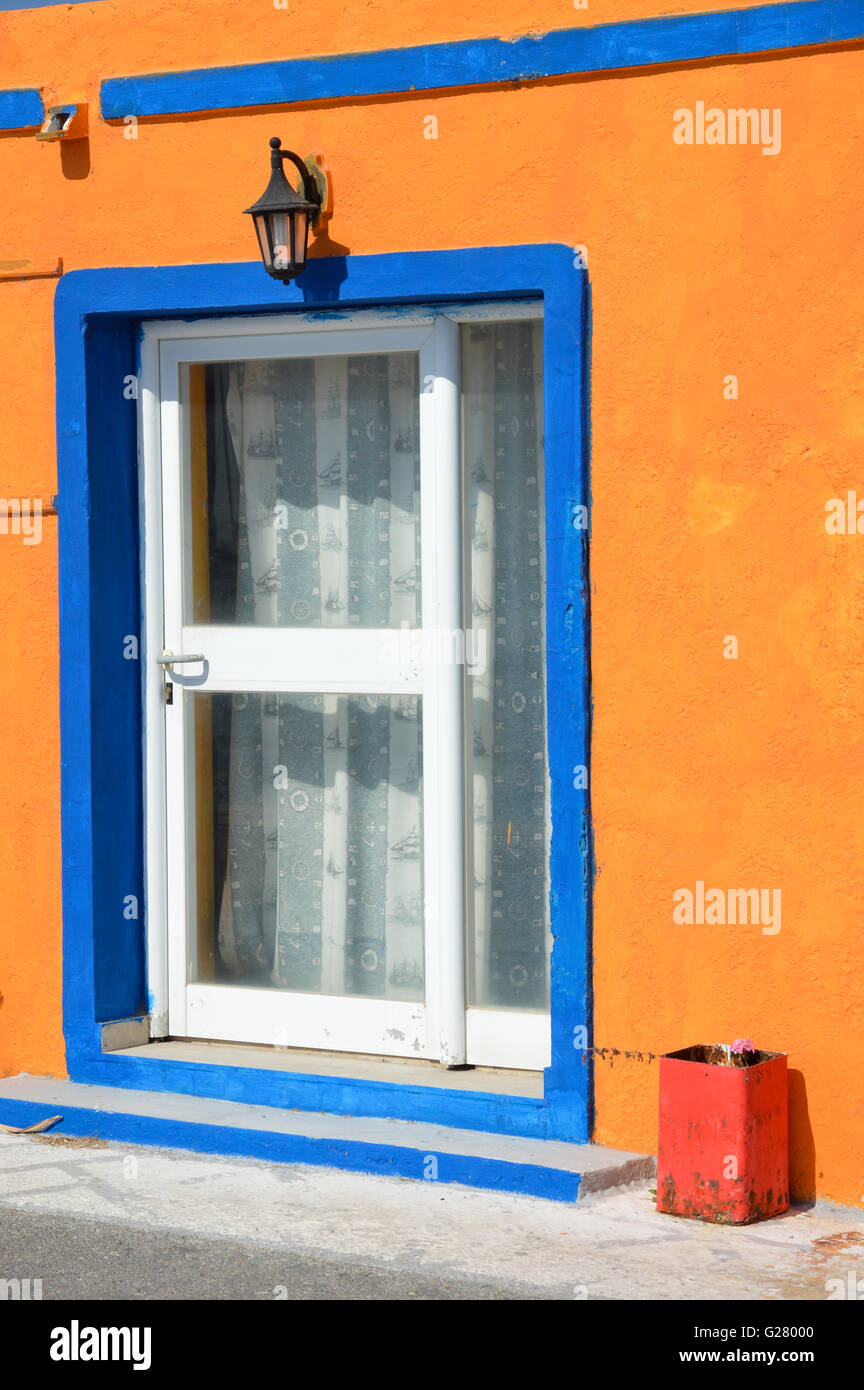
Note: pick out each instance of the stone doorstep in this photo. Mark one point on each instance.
(389, 1148)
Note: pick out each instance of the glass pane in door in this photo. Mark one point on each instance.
(308, 833)
(502, 412)
(303, 492)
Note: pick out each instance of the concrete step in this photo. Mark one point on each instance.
(392, 1148)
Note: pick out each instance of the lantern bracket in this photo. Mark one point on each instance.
(67, 122)
(311, 191)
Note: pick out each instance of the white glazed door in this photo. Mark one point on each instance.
(306, 771)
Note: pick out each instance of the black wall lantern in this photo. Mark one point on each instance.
(282, 217)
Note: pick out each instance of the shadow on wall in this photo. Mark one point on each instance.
(75, 159)
(325, 272)
(802, 1150)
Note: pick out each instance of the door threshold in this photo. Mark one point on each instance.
(403, 1071)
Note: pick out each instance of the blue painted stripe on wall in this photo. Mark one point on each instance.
(473, 62)
(21, 109)
(39, 4)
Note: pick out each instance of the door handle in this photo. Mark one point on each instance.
(168, 659)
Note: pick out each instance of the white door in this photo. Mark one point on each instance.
(307, 673)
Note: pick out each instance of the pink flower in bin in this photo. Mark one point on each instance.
(743, 1045)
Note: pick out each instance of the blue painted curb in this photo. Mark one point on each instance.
(519, 1116)
(479, 62)
(355, 1156)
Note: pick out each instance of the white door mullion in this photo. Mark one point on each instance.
(339, 660)
(442, 640)
(150, 509)
(176, 742)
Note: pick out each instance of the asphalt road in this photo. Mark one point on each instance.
(81, 1259)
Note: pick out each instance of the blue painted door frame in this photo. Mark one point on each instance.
(98, 314)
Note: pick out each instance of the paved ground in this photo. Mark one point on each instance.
(105, 1222)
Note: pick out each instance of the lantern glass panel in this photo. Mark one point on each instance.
(301, 232)
(261, 231)
(282, 248)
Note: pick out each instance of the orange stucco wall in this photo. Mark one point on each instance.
(708, 513)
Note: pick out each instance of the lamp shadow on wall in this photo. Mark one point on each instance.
(75, 159)
(326, 271)
(802, 1150)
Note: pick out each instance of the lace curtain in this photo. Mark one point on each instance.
(313, 474)
(313, 521)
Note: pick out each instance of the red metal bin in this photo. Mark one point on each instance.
(723, 1144)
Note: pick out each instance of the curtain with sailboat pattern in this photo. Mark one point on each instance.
(314, 492)
(314, 521)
